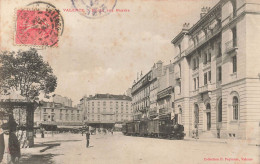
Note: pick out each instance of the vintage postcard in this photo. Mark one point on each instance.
(129, 81)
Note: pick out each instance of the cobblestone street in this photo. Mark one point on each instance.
(117, 148)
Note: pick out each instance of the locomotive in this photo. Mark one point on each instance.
(161, 128)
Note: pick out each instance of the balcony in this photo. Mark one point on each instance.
(231, 46)
(194, 93)
(203, 39)
(206, 88)
(153, 113)
(164, 111)
(177, 76)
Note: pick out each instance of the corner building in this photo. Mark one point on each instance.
(216, 67)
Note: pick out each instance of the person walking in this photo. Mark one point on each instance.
(87, 138)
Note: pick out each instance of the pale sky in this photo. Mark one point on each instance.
(103, 55)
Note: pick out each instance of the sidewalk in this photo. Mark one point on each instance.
(224, 141)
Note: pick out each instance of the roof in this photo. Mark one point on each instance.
(197, 24)
(110, 96)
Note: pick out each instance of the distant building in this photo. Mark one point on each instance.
(105, 110)
(58, 111)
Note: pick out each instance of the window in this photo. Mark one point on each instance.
(198, 62)
(196, 115)
(205, 58)
(92, 103)
(198, 82)
(205, 79)
(220, 110)
(234, 34)
(235, 108)
(234, 62)
(194, 64)
(179, 87)
(209, 76)
(219, 74)
(61, 116)
(71, 111)
(219, 50)
(60, 110)
(195, 85)
(45, 118)
(209, 57)
(44, 110)
(52, 110)
(98, 103)
(77, 111)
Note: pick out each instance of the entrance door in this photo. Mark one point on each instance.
(208, 120)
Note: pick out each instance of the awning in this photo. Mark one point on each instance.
(70, 127)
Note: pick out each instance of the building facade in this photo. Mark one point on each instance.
(106, 110)
(153, 94)
(144, 93)
(217, 86)
(58, 111)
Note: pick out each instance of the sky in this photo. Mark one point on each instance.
(104, 55)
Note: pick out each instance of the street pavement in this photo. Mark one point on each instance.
(119, 149)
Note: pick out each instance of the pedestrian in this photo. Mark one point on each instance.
(87, 138)
(9, 145)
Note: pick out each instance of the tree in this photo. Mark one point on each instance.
(26, 72)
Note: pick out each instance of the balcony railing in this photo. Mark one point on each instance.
(153, 113)
(163, 111)
(203, 39)
(194, 93)
(231, 45)
(206, 88)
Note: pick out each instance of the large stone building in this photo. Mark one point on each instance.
(106, 110)
(58, 110)
(217, 86)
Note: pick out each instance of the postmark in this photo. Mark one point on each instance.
(39, 24)
(94, 8)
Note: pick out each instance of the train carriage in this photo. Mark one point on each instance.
(137, 128)
(143, 127)
(162, 127)
(153, 128)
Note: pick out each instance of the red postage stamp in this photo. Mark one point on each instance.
(37, 27)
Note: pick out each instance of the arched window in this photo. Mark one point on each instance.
(220, 110)
(208, 106)
(235, 108)
(196, 115)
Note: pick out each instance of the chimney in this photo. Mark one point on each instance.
(204, 11)
(141, 75)
(137, 76)
(186, 26)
